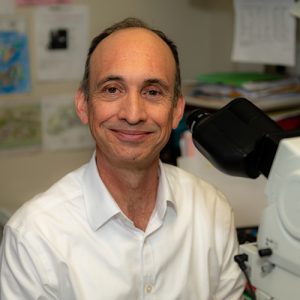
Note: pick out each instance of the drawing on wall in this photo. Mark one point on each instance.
(62, 129)
(14, 58)
(20, 124)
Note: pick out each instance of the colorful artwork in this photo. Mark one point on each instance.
(14, 62)
(20, 125)
(62, 129)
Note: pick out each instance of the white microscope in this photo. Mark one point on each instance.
(241, 140)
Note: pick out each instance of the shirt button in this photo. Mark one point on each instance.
(148, 288)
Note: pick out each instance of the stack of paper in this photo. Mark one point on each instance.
(276, 94)
(256, 87)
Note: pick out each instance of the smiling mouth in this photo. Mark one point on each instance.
(131, 135)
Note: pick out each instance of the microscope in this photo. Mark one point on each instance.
(241, 140)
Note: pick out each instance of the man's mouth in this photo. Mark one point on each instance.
(131, 135)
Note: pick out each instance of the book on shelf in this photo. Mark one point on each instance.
(267, 91)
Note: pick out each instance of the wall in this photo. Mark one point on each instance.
(202, 30)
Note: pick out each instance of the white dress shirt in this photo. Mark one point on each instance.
(73, 243)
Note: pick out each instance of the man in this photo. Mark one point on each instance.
(125, 225)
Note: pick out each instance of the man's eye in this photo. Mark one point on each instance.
(152, 93)
(111, 90)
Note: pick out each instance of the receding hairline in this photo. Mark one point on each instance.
(132, 23)
(145, 29)
(141, 29)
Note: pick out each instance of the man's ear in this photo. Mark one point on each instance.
(81, 106)
(178, 111)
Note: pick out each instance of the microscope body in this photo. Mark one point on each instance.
(241, 140)
(274, 261)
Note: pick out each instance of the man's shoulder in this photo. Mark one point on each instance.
(191, 188)
(180, 177)
(61, 196)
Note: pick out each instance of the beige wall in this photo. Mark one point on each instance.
(202, 30)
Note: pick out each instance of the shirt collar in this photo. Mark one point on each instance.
(99, 202)
(164, 193)
(101, 206)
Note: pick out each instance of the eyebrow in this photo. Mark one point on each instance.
(148, 81)
(109, 78)
(160, 82)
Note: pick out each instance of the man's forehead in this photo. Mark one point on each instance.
(133, 33)
(135, 39)
(135, 54)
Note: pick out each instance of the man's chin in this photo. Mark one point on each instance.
(130, 158)
(136, 161)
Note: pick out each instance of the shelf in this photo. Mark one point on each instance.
(265, 104)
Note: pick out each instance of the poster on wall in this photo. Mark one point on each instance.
(61, 41)
(264, 32)
(61, 127)
(14, 56)
(20, 124)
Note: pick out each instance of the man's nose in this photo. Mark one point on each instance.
(133, 108)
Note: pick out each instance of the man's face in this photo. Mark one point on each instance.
(131, 109)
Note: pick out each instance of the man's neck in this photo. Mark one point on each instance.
(134, 190)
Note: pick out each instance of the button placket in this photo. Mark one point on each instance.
(148, 288)
(148, 268)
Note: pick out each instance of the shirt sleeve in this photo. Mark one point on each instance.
(232, 281)
(22, 274)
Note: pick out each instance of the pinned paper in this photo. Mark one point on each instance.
(265, 32)
(61, 41)
(62, 129)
